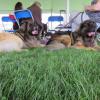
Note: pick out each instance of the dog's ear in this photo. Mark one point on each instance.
(74, 36)
(82, 25)
(83, 29)
(98, 30)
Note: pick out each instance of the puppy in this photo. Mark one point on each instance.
(58, 41)
(85, 36)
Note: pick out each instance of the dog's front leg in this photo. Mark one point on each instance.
(97, 48)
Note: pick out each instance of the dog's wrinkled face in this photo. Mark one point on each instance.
(32, 28)
(87, 31)
(28, 28)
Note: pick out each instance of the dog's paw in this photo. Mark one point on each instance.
(90, 48)
(97, 48)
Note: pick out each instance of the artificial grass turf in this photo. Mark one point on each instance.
(38, 74)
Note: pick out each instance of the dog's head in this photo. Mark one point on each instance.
(28, 28)
(87, 31)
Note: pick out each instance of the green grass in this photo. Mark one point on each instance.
(38, 74)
